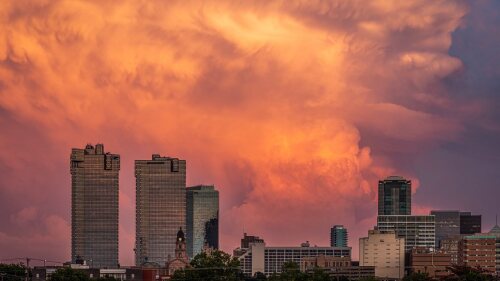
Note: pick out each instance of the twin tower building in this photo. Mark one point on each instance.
(163, 206)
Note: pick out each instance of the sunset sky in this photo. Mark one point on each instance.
(294, 109)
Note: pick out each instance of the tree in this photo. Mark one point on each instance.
(417, 276)
(291, 272)
(69, 274)
(13, 272)
(319, 274)
(216, 265)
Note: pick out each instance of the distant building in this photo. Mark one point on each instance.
(394, 196)
(181, 259)
(478, 251)
(94, 205)
(450, 245)
(434, 263)
(257, 257)
(338, 236)
(418, 231)
(43, 273)
(384, 251)
(202, 218)
(160, 208)
(450, 223)
(495, 231)
(248, 239)
(470, 224)
(337, 267)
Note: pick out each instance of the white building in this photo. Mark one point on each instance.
(384, 251)
(418, 231)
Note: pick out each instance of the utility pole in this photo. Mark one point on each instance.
(27, 269)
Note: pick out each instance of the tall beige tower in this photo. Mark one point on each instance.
(384, 251)
(94, 206)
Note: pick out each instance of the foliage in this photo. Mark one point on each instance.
(216, 265)
(417, 276)
(13, 272)
(464, 273)
(69, 274)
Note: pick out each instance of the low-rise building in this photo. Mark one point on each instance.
(434, 263)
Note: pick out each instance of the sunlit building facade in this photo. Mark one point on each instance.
(160, 208)
(202, 218)
(94, 206)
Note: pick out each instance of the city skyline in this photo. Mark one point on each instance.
(275, 103)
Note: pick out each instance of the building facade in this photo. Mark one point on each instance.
(385, 252)
(394, 196)
(94, 206)
(447, 224)
(418, 231)
(478, 251)
(202, 219)
(268, 260)
(450, 246)
(339, 236)
(435, 264)
(160, 208)
(470, 224)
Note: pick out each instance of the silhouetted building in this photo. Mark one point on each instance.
(447, 224)
(247, 239)
(202, 218)
(160, 207)
(470, 224)
(338, 236)
(94, 205)
(394, 196)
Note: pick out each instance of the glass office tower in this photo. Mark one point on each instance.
(202, 218)
(394, 196)
(470, 224)
(447, 224)
(94, 206)
(160, 208)
(338, 236)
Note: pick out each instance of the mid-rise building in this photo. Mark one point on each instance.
(160, 208)
(202, 219)
(394, 196)
(94, 206)
(384, 251)
(447, 224)
(478, 251)
(435, 264)
(268, 260)
(337, 267)
(418, 231)
(495, 231)
(450, 246)
(470, 224)
(338, 236)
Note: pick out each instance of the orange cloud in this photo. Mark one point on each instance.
(264, 99)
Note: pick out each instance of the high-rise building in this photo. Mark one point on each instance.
(447, 224)
(454, 222)
(394, 196)
(94, 206)
(338, 236)
(418, 231)
(470, 224)
(160, 207)
(202, 218)
(385, 251)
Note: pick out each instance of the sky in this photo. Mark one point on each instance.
(293, 109)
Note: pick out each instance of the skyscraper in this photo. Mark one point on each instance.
(447, 224)
(94, 206)
(470, 224)
(394, 196)
(160, 207)
(202, 218)
(338, 236)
